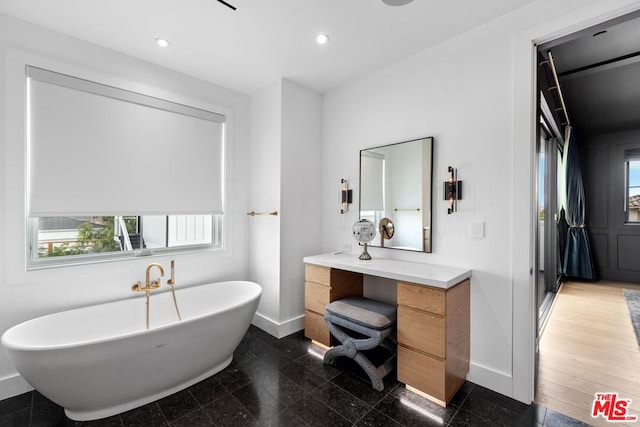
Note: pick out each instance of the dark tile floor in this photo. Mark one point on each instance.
(275, 382)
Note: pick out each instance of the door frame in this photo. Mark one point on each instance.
(524, 172)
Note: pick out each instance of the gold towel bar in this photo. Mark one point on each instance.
(252, 213)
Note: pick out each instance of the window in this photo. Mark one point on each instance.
(115, 173)
(86, 237)
(632, 180)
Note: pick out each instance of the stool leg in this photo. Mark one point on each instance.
(347, 349)
(338, 350)
(351, 348)
(387, 366)
(370, 370)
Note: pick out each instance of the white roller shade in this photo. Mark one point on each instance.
(100, 150)
(371, 181)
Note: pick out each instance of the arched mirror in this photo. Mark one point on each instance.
(395, 188)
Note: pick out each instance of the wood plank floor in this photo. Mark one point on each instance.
(588, 346)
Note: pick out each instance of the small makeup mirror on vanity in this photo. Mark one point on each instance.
(395, 193)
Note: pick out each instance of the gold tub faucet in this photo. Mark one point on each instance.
(155, 283)
(149, 285)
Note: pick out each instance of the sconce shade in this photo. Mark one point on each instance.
(346, 196)
(452, 190)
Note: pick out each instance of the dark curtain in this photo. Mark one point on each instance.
(578, 261)
(562, 228)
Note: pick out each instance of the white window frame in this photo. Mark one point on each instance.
(35, 262)
(220, 223)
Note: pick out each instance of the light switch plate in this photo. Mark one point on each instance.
(477, 229)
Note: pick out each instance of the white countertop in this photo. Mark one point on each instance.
(440, 276)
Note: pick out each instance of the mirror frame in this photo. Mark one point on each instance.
(425, 203)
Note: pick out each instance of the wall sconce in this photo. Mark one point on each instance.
(346, 196)
(452, 190)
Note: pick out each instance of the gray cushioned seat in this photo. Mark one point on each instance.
(372, 319)
(364, 311)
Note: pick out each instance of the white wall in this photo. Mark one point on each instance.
(442, 93)
(285, 176)
(474, 94)
(264, 196)
(25, 295)
(301, 188)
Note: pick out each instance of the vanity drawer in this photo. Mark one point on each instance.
(317, 274)
(316, 297)
(422, 331)
(346, 282)
(423, 372)
(315, 328)
(422, 297)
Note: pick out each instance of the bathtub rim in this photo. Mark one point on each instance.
(8, 345)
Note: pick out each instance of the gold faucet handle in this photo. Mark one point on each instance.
(137, 287)
(155, 284)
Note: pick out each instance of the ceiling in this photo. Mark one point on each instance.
(600, 76)
(262, 41)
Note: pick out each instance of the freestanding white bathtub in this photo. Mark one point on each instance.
(101, 360)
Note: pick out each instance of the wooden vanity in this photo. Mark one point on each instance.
(433, 315)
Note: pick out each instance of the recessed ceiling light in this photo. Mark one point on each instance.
(322, 39)
(163, 42)
(396, 2)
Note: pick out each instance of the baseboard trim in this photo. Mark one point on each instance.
(278, 330)
(13, 385)
(498, 381)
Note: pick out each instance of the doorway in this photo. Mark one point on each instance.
(598, 73)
